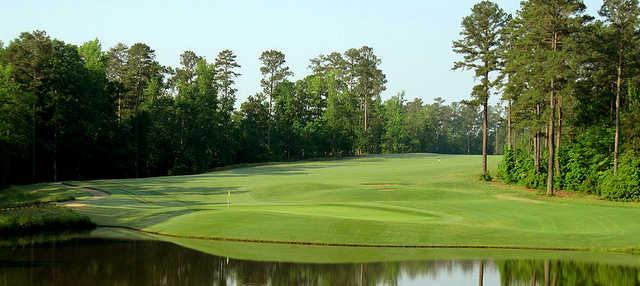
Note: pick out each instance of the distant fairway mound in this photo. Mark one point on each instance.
(399, 200)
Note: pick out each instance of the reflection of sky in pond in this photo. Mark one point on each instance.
(453, 275)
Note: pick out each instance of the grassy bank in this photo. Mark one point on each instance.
(29, 209)
(42, 219)
(404, 200)
(36, 194)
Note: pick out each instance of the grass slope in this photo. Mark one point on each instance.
(30, 209)
(383, 200)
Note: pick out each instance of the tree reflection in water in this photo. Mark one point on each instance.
(552, 273)
(117, 262)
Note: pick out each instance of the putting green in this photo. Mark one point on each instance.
(399, 200)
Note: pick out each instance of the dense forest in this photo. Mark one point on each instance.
(79, 112)
(570, 82)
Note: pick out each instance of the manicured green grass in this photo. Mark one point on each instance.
(328, 254)
(384, 200)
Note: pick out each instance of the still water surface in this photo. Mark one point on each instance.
(93, 261)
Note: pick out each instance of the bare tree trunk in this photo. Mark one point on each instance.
(550, 143)
(119, 112)
(366, 114)
(269, 116)
(33, 145)
(509, 139)
(497, 136)
(558, 136)
(485, 130)
(468, 142)
(551, 149)
(55, 154)
(616, 144)
(536, 144)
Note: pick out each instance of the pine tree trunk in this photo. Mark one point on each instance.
(536, 143)
(485, 131)
(550, 137)
(509, 139)
(366, 114)
(33, 145)
(558, 136)
(550, 143)
(536, 158)
(269, 116)
(55, 140)
(616, 144)
(55, 154)
(119, 112)
(496, 134)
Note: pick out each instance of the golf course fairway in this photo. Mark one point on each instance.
(414, 200)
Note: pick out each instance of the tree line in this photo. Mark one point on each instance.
(80, 112)
(570, 82)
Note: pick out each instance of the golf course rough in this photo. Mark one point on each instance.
(414, 200)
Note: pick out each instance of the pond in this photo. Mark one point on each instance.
(101, 261)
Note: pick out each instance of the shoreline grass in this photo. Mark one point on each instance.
(37, 194)
(26, 210)
(33, 220)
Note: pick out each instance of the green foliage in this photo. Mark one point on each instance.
(631, 118)
(395, 138)
(565, 71)
(586, 168)
(38, 219)
(507, 167)
(625, 185)
(586, 158)
(517, 167)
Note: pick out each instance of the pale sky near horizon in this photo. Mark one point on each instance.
(413, 38)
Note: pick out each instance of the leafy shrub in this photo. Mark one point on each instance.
(518, 167)
(586, 164)
(507, 166)
(36, 219)
(625, 185)
(586, 159)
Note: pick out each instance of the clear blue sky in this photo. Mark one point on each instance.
(413, 38)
